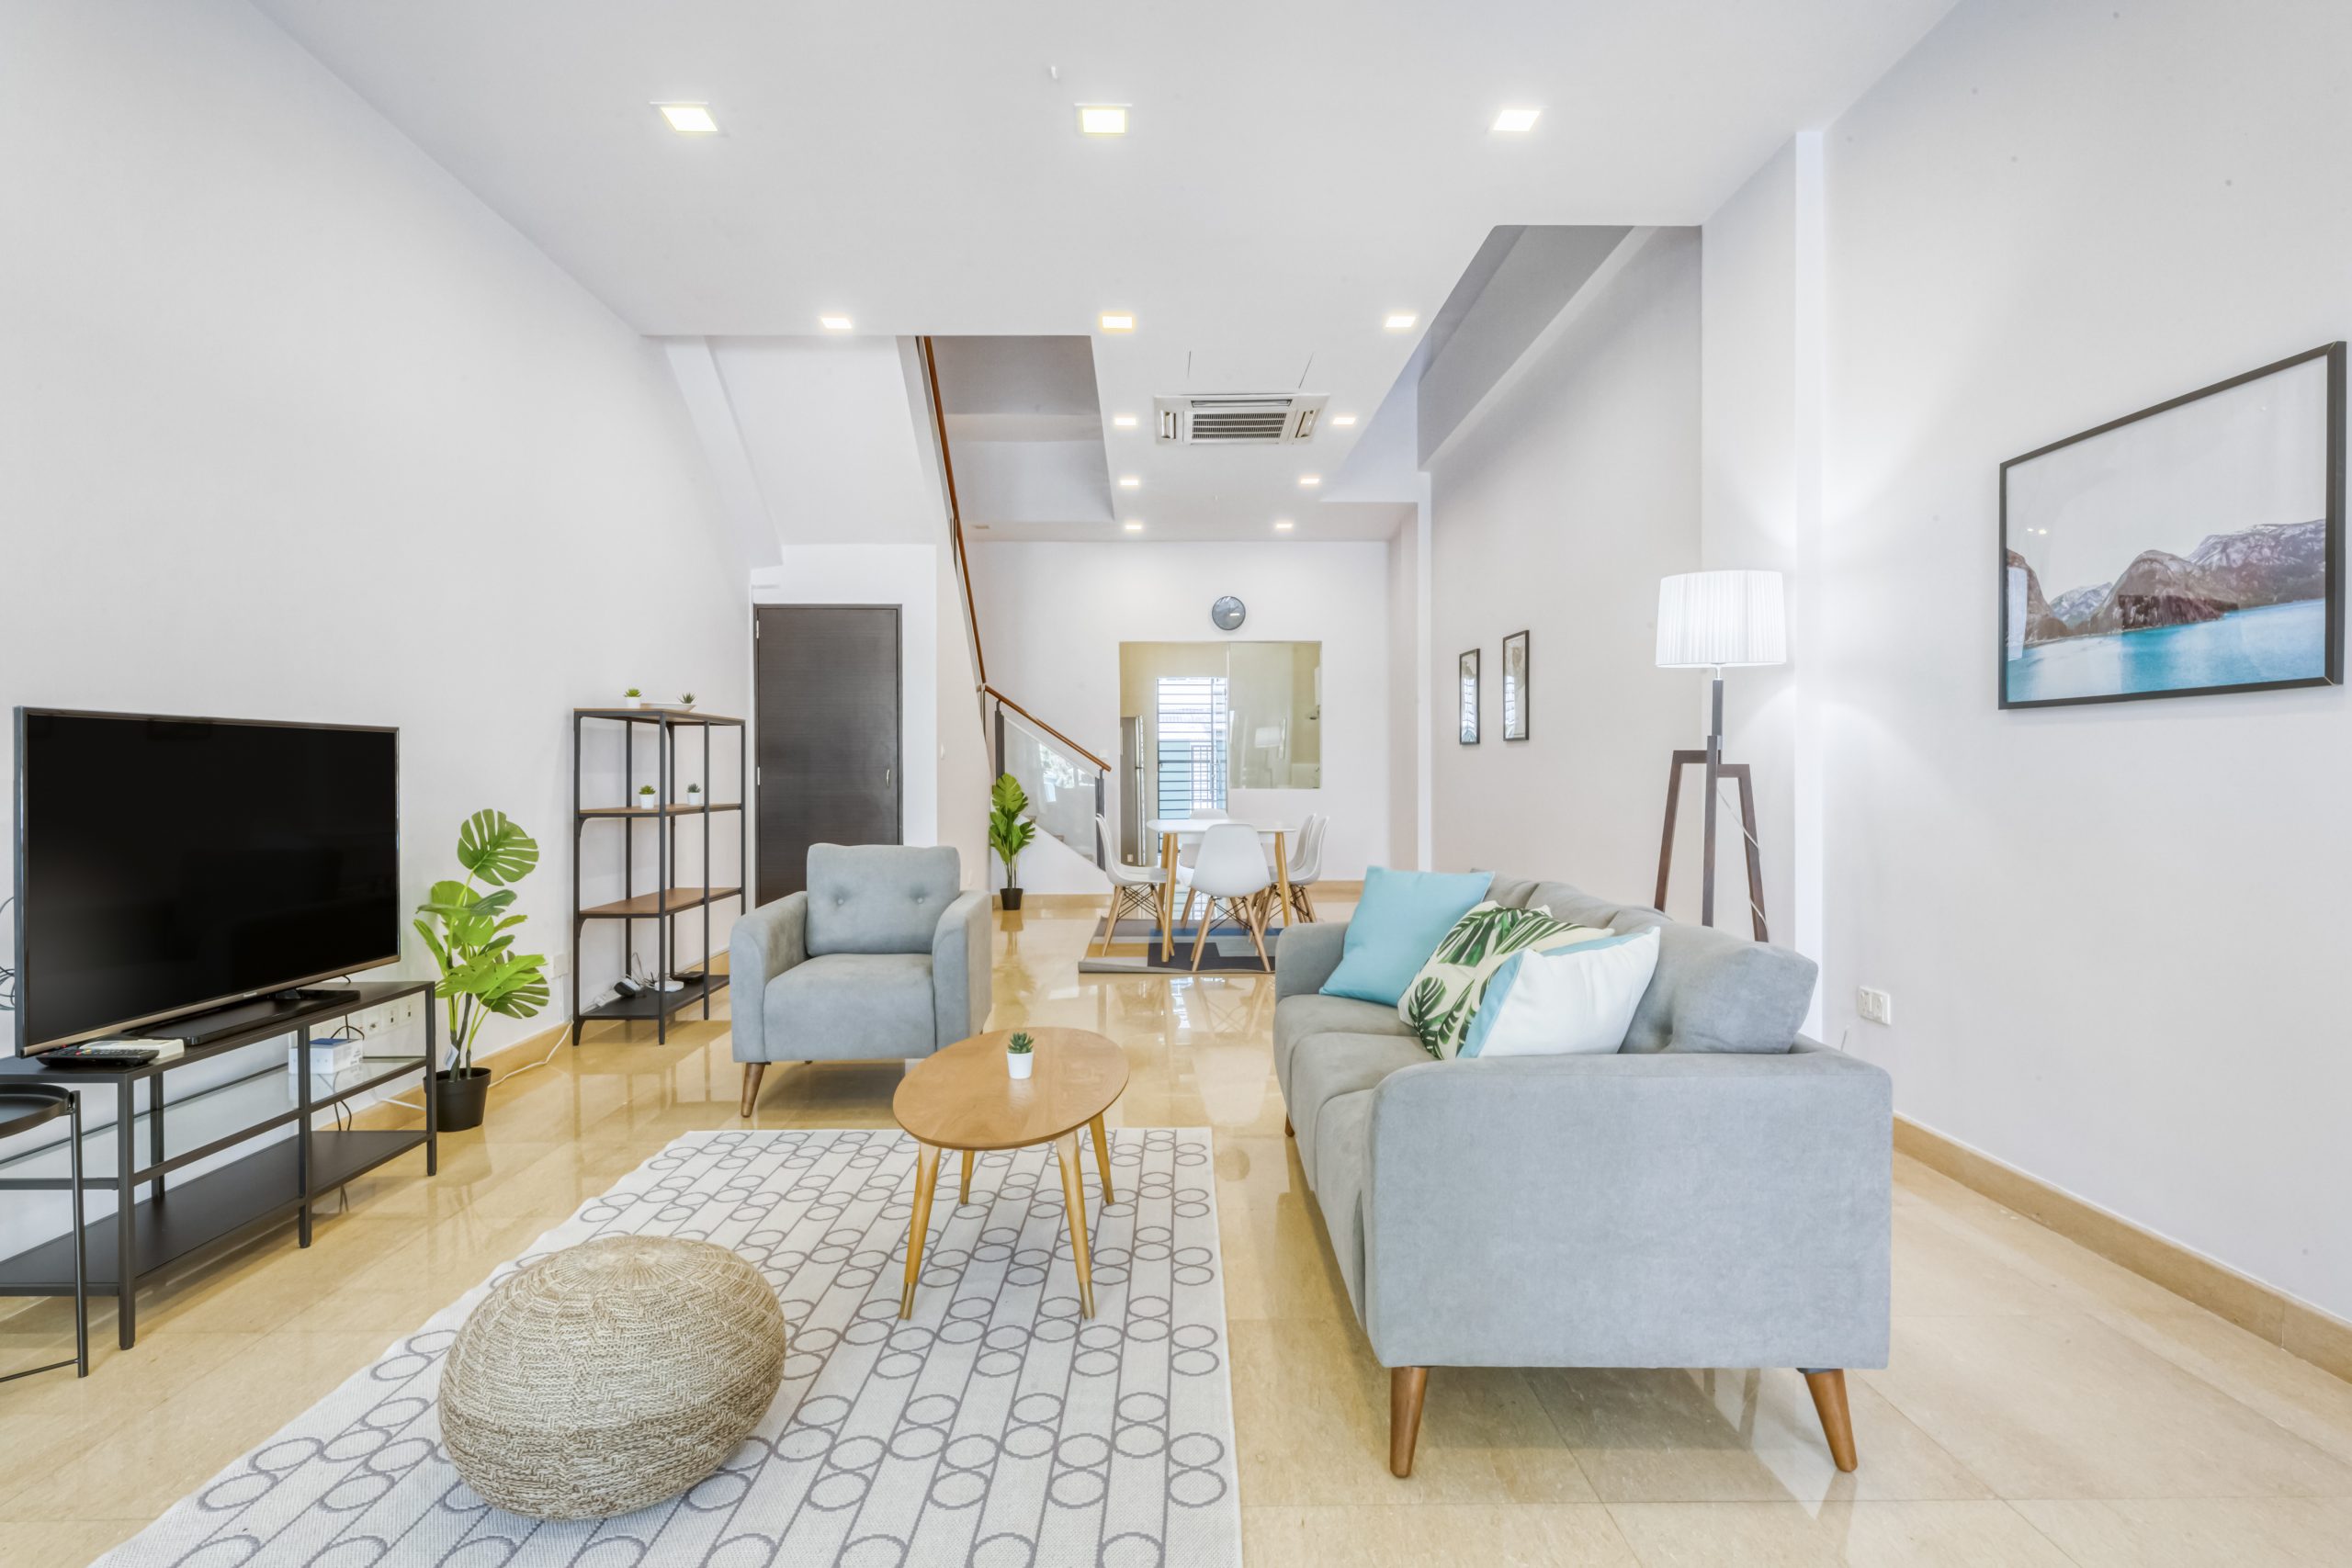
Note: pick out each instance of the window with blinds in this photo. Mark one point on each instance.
(1190, 723)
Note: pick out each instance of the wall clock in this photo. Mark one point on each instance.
(1229, 613)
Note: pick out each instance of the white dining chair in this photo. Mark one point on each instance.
(1186, 853)
(1232, 871)
(1306, 867)
(1133, 888)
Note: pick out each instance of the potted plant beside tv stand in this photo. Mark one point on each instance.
(183, 1216)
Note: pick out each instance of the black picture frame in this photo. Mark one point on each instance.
(1465, 680)
(2332, 572)
(1515, 689)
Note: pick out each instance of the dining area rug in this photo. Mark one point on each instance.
(1134, 949)
(996, 1428)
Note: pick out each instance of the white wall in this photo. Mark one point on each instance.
(1557, 514)
(2114, 934)
(1053, 616)
(296, 428)
(1408, 700)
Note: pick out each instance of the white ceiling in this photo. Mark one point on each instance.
(1292, 171)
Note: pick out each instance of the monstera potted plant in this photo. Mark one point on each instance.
(472, 937)
(1010, 832)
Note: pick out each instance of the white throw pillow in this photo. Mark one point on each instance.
(1578, 1000)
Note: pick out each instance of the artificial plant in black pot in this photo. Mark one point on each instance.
(472, 937)
(1010, 832)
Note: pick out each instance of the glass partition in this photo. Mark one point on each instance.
(1065, 790)
(1200, 719)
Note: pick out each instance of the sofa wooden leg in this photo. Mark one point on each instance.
(1837, 1417)
(1406, 1385)
(1289, 1131)
(751, 1073)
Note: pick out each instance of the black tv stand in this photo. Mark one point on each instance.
(282, 1006)
(195, 1214)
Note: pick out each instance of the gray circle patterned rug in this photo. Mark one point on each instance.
(995, 1428)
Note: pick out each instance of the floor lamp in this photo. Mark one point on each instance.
(1716, 621)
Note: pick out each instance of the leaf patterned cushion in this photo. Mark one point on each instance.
(1444, 997)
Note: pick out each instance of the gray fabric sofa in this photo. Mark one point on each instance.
(883, 956)
(1717, 1195)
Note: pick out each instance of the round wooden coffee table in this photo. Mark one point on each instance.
(961, 1098)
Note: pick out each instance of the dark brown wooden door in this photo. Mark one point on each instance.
(827, 750)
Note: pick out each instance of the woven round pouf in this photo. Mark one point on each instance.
(610, 1376)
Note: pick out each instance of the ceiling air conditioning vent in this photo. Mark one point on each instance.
(1239, 419)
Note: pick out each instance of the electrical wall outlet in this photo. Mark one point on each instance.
(1875, 1006)
(557, 965)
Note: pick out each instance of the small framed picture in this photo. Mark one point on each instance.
(1515, 686)
(1466, 678)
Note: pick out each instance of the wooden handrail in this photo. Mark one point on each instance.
(954, 511)
(1099, 763)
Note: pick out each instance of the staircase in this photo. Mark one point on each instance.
(1067, 783)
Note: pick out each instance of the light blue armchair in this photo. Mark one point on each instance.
(882, 957)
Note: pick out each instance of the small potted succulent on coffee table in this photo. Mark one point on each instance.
(1020, 1054)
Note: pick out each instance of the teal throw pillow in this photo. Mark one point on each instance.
(1399, 922)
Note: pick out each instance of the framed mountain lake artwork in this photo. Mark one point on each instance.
(2189, 549)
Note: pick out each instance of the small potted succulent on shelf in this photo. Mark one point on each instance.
(694, 798)
(633, 698)
(686, 702)
(1020, 1054)
(646, 797)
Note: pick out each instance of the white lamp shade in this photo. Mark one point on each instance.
(1717, 618)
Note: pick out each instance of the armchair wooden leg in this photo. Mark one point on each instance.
(1837, 1417)
(1406, 1387)
(752, 1075)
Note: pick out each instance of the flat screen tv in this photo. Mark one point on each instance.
(165, 866)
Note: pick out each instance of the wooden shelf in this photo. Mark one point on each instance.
(650, 811)
(648, 904)
(658, 716)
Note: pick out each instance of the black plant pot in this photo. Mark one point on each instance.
(458, 1099)
(1012, 898)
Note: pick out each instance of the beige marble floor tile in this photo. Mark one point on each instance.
(2243, 1532)
(53, 1543)
(2313, 1405)
(1519, 1536)
(1659, 1435)
(1311, 1420)
(2066, 1406)
(1847, 1535)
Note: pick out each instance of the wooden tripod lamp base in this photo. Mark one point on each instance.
(1721, 769)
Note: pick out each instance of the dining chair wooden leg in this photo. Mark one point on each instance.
(1201, 933)
(1255, 921)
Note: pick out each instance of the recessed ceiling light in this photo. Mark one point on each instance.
(1135, 527)
(1130, 481)
(1282, 526)
(1308, 482)
(833, 323)
(1124, 421)
(1118, 321)
(1400, 320)
(1103, 119)
(1515, 121)
(1343, 419)
(689, 119)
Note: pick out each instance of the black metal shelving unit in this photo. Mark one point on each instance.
(179, 1219)
(664, 902)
